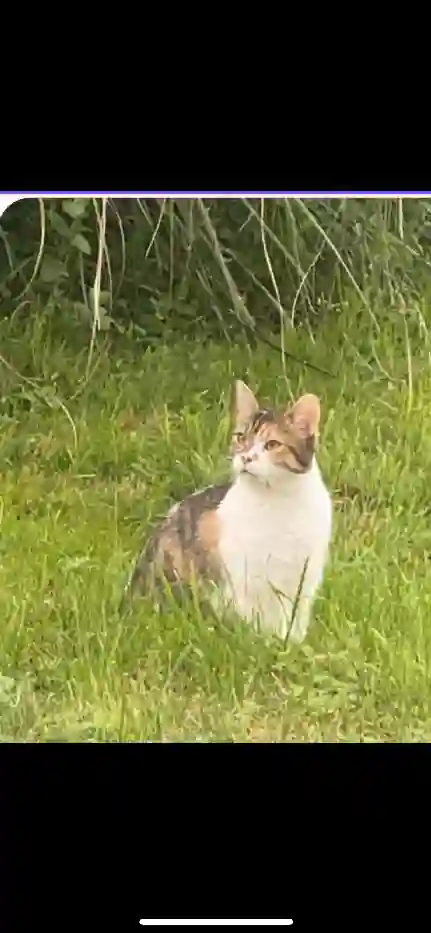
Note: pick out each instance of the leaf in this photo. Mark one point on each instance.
(82, 244)
(48, 393)
(78, 226)
(75, 207)
(83, 310)
(52, 270)
(104, 296)
(59, 224)
(87, 315)
(105, 319)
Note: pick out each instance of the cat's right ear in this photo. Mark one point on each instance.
(305, 416)
(246, 405)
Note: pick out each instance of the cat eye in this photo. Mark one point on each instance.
(238, 436)
(271, 445)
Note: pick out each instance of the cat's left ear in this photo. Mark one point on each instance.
(246, 404)
(305, 416)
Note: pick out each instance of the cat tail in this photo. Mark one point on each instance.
(142, 576)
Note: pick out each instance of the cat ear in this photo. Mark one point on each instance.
(245, 404)
(305, 415)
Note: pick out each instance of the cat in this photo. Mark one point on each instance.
(262, 539)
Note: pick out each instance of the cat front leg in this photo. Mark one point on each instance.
(301, 622)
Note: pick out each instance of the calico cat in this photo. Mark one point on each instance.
(262, 539)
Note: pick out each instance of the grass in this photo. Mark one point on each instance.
(87, 466)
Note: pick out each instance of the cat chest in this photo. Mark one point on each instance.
(271, 544)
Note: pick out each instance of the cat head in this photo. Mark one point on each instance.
(271, 445)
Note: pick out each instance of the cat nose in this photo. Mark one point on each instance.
(247, 458)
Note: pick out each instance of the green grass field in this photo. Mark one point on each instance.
(88, 465)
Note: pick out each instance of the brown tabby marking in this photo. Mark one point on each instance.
(184, 546)
(294, 453)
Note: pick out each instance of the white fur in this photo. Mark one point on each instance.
(272, 522)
